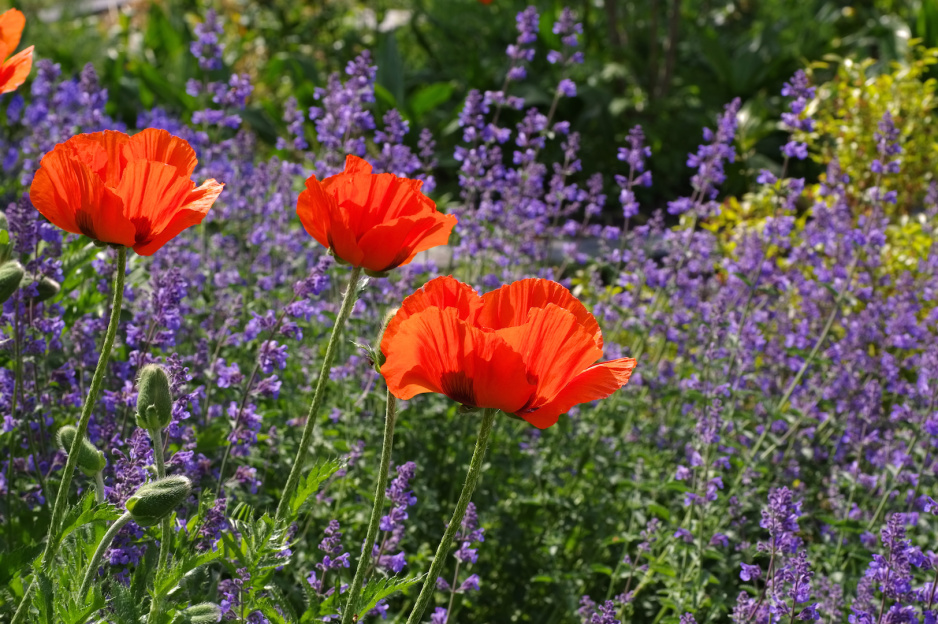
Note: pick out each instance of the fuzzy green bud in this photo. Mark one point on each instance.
(6, 245)
(46, 288)
(203, 613)
(154, 500)
(154, 401)
(11, 274)
(378, 356)
(90, 460)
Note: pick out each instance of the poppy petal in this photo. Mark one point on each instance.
(596, 382)
(440, 292)
(342, 237)
(374, 199)
(12, 22)
(354, 164)
(14, 71)
(102, 152)
(555, 348)
(435, 351)
(313, 207)
(395, 243)
(510, 305)
(152, 194)
(197, 205)
(76, 200)
(160, 146)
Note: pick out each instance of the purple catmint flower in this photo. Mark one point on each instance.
(207, 46)
(401, 497)
(780, 519)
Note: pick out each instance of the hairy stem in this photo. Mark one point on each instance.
(99, 553)
(472, 478)
(351, 293)
(351, 605)
(99, 487)
(68, 472)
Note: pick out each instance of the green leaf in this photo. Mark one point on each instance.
(270, 612)
(429, 97)
(377, 591)
(172, 577)
(383, 95)
(87, 512)
(601, 569)
(390, 66)
(310, 485)
(659, 511)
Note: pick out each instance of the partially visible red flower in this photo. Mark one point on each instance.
(13, 70)
(486, 1)
(132, 191)
(375, 221)
(528, 349)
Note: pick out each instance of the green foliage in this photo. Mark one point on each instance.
(310, 485)
(669, 65)
(849, 108)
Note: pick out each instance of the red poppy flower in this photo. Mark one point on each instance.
(527, 349)
(13, 70)
(132, 191)
(374, 221)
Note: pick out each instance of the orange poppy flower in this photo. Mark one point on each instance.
(13, 70)
(528, 349)
(131, 191)
(375, 221)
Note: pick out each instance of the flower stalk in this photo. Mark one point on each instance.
(472, 478)
(355, 590)
(68, 472)
(348, 302)
(103, 545)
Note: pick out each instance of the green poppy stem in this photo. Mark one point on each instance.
(472, 478)
(99, 553)
(81, 430)
(354, 594)
(348, 302)
(156, 436)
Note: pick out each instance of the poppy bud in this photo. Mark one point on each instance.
(90, 460)
(46, 288)
(154, 500)
(6, 246)
(154, 401)
(11, 274)
(203, 613)
(378, 357)
(371, 273)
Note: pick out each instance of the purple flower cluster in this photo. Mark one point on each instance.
(333, 559)
(468, 534)
(401, 497)
(796, 119)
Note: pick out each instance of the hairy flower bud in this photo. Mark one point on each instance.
(46, 287)
(11, 274)
(378, 357)
(156, 499)
(203, 613)
(90, 460)
(154, 401)
(6, 245)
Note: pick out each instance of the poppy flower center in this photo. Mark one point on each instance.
(85, 223)
(457, 385)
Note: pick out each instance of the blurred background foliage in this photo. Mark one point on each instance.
(669, 65)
